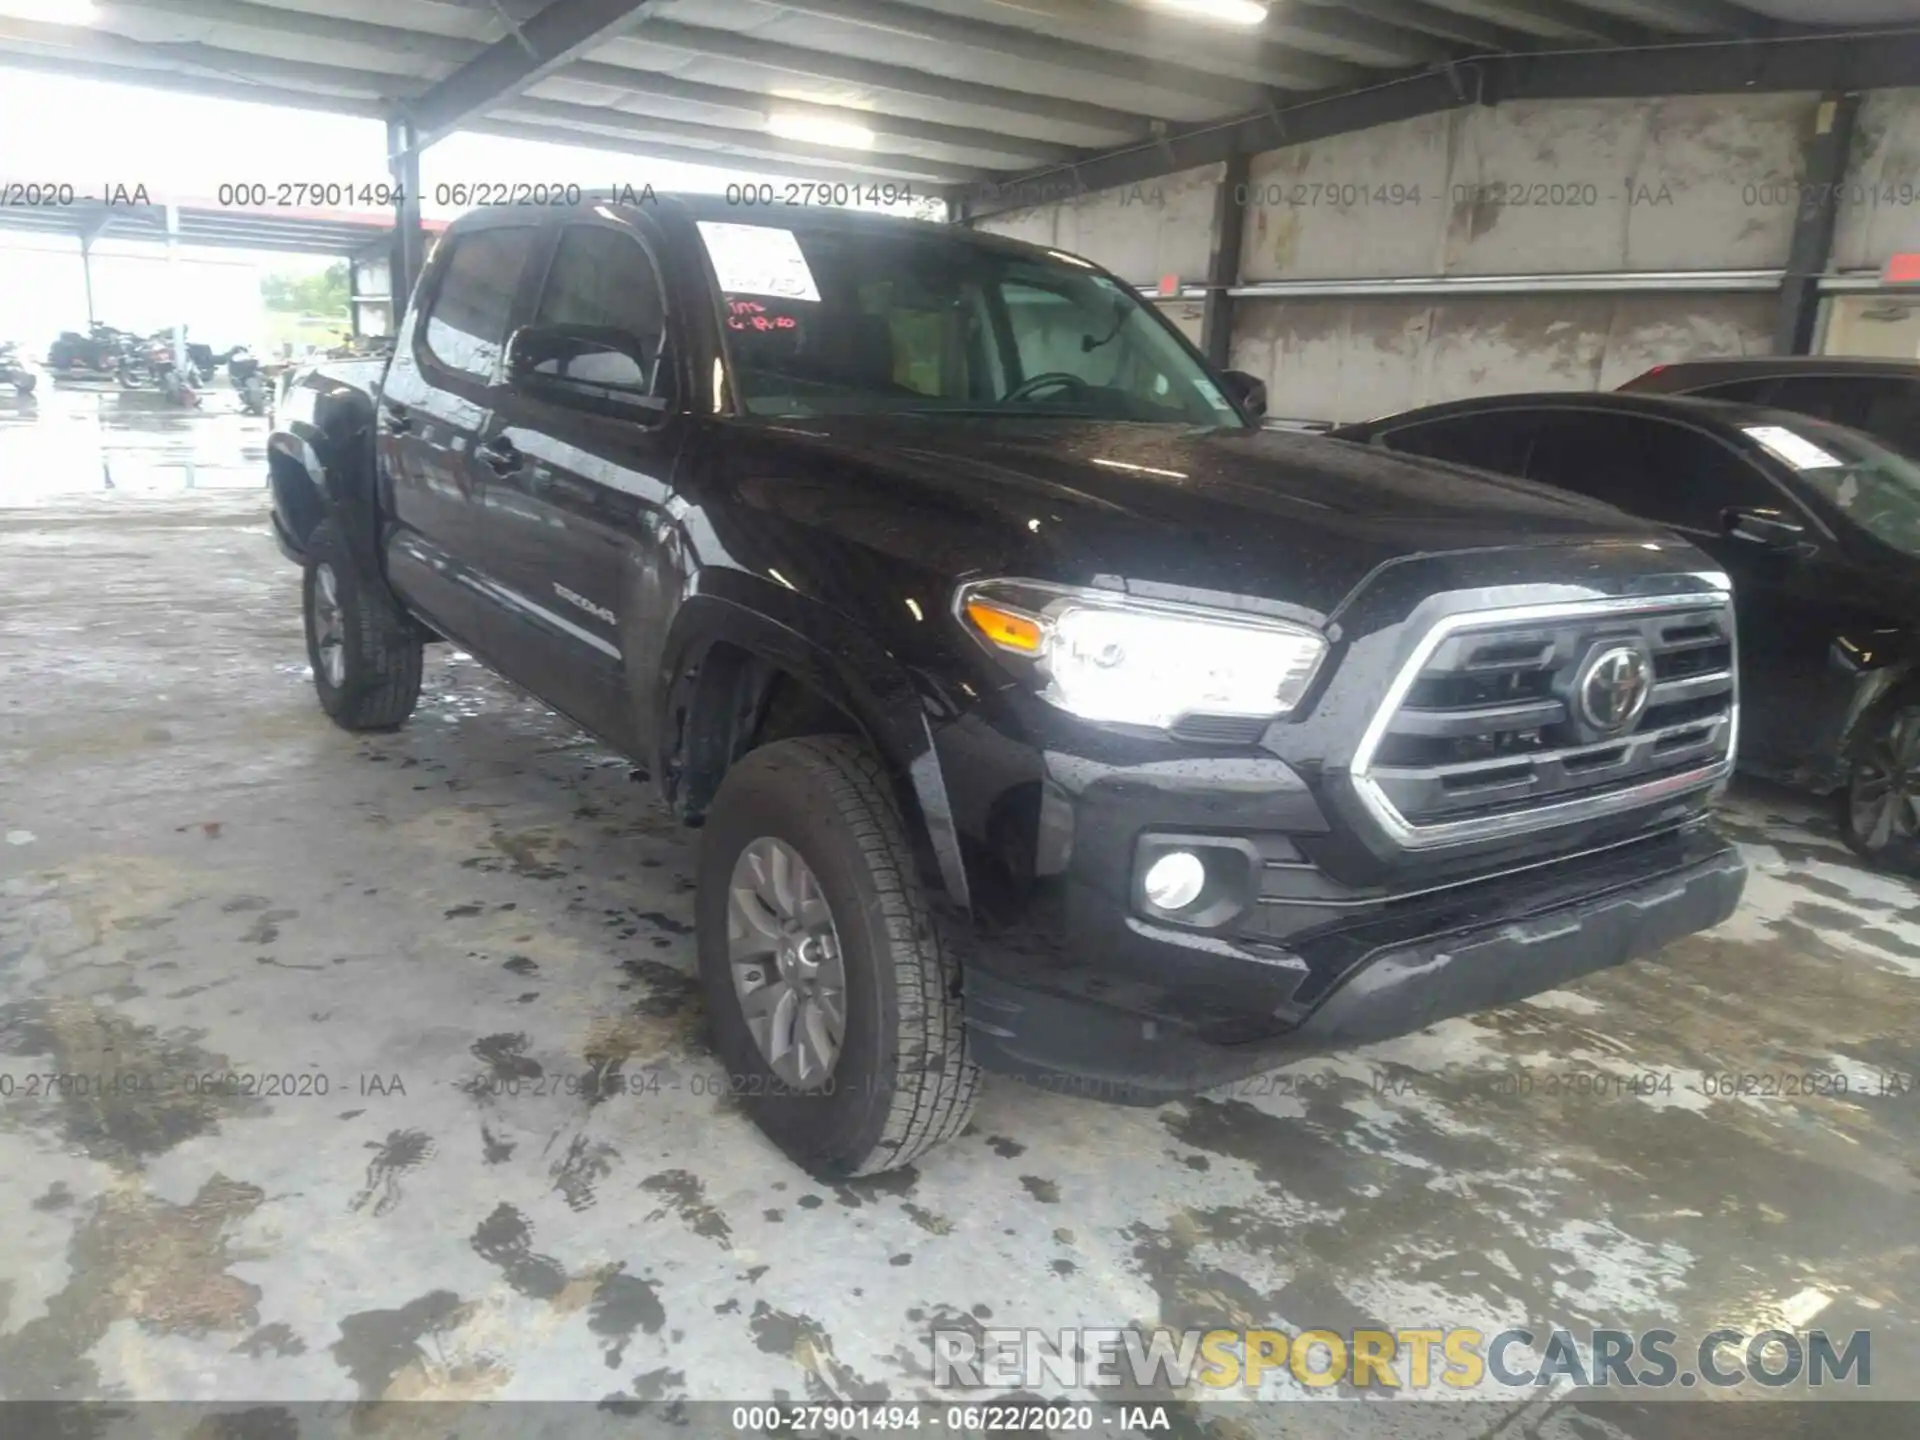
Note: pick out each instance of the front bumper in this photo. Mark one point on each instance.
(1160, 1034)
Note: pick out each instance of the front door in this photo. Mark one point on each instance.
(431, 412)
(579, 456)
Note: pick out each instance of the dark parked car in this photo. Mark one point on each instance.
(1881, 397)
(1818, 525)
(1039, 710)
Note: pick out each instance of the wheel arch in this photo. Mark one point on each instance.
(321, 465)
(734, 678)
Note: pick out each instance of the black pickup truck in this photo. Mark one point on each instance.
(1040, 711)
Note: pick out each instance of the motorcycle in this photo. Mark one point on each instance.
(102, 351)
(205, 360)
(249, 380)
(152, 364)
(13, 370)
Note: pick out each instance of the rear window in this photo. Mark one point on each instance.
(1885, 406)
(467, 323)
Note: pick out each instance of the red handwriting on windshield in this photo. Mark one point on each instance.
(752, 315)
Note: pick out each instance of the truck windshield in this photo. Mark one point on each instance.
(831, 321)
(1872, 485)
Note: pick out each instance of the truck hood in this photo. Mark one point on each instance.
(1295, 518)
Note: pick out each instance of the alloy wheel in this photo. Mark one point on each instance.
(329, 626)
(1884, 791)
(787, 969)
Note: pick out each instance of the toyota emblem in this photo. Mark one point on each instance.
(1614, 691)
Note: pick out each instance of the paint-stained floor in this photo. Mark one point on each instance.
(317, 1011)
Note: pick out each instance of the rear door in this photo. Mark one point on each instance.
(432, 409)
(579, 454)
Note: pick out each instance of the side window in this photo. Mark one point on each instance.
(1648, 467)
(1744, 392)
(1497, 440)
(1888, 409)
(468, 321)
(603, 317)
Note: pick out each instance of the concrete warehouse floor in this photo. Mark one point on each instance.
(202, 875)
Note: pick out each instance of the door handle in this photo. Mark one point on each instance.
(399, 419)
(500, 455)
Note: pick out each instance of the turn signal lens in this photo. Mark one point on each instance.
(1005, 628)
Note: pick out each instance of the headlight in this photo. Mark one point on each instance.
(1109, 657)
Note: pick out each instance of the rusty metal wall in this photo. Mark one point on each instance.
(1880, 203)
(1140, 232)
(1524, 188)
(1535, 187)
(1356, 359)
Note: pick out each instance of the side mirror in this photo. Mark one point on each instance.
(1768, 529)
(598, 362)
(1249, 390)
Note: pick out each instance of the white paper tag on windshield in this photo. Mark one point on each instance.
(1796, 450)
(758, 260)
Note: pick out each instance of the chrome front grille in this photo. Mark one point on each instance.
(1483, 732)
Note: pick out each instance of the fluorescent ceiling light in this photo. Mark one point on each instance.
(819, 131)
(1226, 12)
(60, 12)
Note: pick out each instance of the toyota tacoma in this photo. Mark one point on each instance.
(1039, 710)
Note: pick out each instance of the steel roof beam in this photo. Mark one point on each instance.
(1557, 19)
(1696, 17)
(102, 50)
(921, 85)
(1829, 63)
(1162, 69)
(1428, 19)
(246, 91)
(751, 103)
(1290, 35)
(387, 40)
(641, 126)
(447, 50)
(538, 47)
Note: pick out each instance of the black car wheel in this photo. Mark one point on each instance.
(1880, 806)
(835, 1004)
(365, 657)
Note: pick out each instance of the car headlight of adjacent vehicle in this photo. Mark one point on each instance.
(1123, 660)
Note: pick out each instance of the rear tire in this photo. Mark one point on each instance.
(1879, 806)
(902, 1080)
(365, 656)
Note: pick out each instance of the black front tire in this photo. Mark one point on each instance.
(1879, 806)
(903, 1081)
(366, 657)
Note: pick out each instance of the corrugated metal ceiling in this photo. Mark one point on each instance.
(953, 90)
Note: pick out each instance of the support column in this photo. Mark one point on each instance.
(353, 296)
(173, 281)
(403, 164)
(1223, 258)
(86, 275)
(1811, 249)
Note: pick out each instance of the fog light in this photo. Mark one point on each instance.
(1175, 880)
